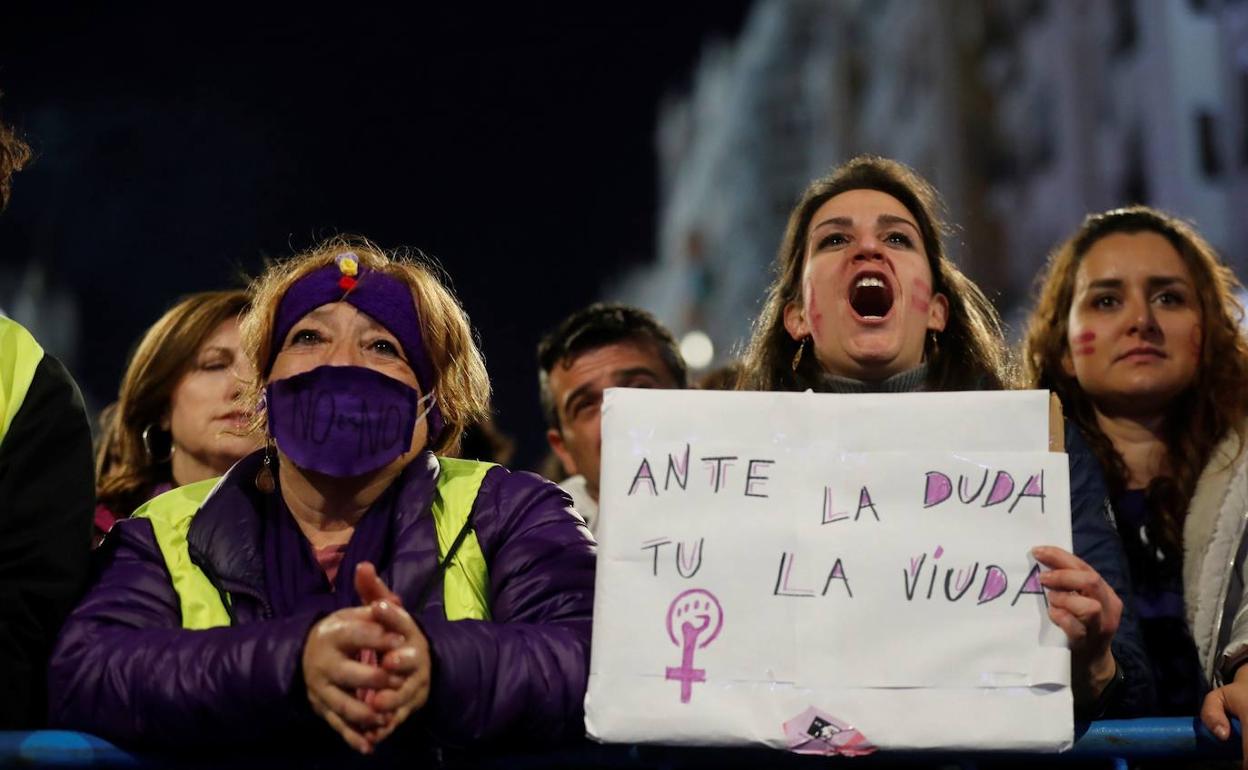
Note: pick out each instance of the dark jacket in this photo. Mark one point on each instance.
(1096, 542)
(47, 489)
(124, 668)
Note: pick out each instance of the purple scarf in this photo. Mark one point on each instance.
(295, 582)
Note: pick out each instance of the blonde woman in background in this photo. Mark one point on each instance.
(177, 418)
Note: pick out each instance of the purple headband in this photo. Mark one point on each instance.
(385, 299)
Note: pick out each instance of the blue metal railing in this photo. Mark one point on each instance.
(1169, 738)
(1115, 742)
(60, 748)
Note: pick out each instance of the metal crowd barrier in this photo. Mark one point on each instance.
(1109, 743)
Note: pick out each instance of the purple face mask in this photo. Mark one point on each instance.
(343, 420)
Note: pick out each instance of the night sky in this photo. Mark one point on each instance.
(513, 143)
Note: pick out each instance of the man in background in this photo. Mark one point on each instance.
(599, 347)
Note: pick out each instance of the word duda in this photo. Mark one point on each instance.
(719, 471)
(939, 488)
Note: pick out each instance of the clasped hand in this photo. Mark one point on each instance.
(367, 668)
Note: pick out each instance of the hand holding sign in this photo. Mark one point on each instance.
(1086, 608)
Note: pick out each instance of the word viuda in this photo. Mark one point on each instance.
(925, 578)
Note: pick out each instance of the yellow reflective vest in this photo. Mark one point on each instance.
(465, 583)
(20, 355)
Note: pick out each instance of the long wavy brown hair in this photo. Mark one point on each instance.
(14, 153)
(126, 469)
(1214, 406)
(968, 355)
(460, 378)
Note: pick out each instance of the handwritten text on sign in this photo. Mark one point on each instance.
(937, 490)
(744, 549)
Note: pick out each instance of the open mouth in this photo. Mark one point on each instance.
(870, 296)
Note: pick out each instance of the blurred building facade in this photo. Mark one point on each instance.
(1097, 105)
(733, 154)
(1025, 114)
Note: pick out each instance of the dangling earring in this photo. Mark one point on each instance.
(264, 477)
(934, 339)
(146, 436)
(797, 357)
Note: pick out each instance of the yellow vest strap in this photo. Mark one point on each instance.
(465, 588)
(170, 515)
(20, 355)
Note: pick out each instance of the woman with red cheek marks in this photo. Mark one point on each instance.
(866, 301)
(1136, 329)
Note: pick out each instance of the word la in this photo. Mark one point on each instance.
(787, 586)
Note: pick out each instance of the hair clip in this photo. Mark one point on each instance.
(349, 266)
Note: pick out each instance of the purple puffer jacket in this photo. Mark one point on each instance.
(124, 669)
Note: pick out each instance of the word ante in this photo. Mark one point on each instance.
(717, 467)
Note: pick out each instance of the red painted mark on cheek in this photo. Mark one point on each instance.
(1197, 340)
(1083, 344)
(921, 296)
(816, 315)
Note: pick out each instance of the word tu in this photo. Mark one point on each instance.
(688, 555)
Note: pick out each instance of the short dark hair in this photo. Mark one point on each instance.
(596, 326)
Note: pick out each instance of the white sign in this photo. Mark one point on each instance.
(827, 573)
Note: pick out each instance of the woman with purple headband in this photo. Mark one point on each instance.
(349, 578)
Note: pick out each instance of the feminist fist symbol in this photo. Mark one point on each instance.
(695, 612)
